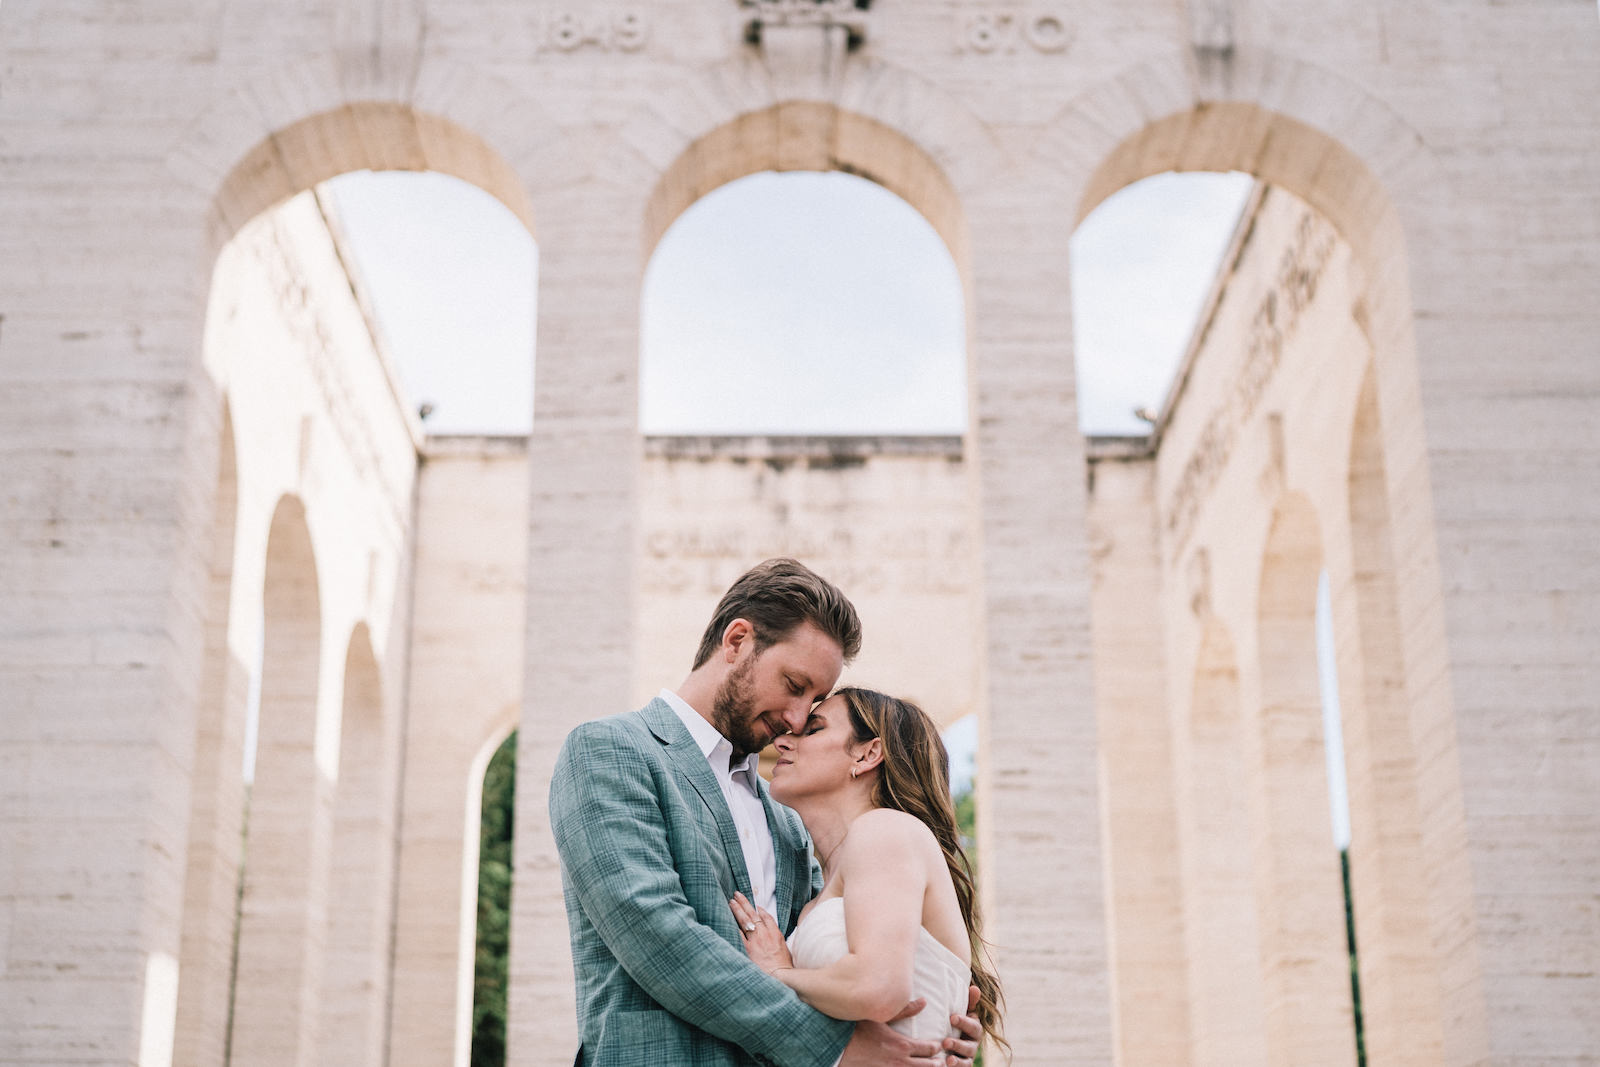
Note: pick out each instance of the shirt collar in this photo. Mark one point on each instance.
(706, 737)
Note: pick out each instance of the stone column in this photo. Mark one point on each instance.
(109, 437)
(1149, 991)
(1039, 783)
(583, 458)
(1493, 517)
(465, 687)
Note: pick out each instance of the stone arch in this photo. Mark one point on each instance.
(1328, 141)
(355, 985)
(283, 902)
(1400, 978)
(1288, 122)
(216, 798)
(1305, 966)
(1352, 158)
(364, 135)
(1215, 841)
(881, 123)
(307, 120)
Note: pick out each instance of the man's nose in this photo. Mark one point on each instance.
(794, 716)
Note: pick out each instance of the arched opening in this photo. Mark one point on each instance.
(1303, 950)
(217, 796)
(284, 900)
(317, 267)
(491, 951)
(356, 979)
(806, 278)
(1229, 450)
(1220, 922)
(1400, 996)
(813, 258)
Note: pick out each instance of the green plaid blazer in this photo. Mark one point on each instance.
(649, 859)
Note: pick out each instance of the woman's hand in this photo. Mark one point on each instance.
(763, 941)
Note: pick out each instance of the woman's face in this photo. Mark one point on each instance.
(818, 759)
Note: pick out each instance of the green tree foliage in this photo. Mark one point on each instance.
(494, 909)
(967, 823)
(966, 804)
(1355, 970)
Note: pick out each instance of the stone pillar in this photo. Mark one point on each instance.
(1509, 381)
(216, 806)
(1039, 781)
(355, 988)
(464, 691)
(583, 459)
(109, 437)
(1149, 992)
(283, 905)
(1227, 1017)
(1300, 906)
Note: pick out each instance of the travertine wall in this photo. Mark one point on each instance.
(889, 519)
(1450, 144)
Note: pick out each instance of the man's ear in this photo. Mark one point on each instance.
(736, 636)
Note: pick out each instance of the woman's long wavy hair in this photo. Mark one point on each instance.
(915, 778)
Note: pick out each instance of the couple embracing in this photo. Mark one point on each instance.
(827, 921)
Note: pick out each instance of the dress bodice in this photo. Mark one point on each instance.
(938, 974)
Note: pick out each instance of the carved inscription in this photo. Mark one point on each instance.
(606, 29)
(984, 31)
(704, 558)
(1273, 323)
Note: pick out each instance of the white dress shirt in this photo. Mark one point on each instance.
(738, 784)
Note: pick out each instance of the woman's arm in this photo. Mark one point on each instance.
(885, 876)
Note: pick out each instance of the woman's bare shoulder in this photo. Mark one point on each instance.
(886, 828)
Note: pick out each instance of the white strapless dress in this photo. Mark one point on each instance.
(938, 974)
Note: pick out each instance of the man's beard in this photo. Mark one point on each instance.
(733, 711)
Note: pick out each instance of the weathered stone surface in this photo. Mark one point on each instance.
(1449, 146)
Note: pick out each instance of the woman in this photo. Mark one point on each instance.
(896, 918)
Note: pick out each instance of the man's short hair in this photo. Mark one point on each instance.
(777, 596)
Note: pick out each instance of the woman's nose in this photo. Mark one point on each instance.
(784, 742)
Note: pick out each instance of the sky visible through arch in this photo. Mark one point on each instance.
(779, 303)
(783, 303)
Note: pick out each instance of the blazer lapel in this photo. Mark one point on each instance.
(692, 764)
(792, 855)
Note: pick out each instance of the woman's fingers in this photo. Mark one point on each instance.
(743, 914)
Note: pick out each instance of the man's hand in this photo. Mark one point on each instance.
(875, 1045)
(958, 1052)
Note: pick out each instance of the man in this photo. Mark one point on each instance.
(660, 817)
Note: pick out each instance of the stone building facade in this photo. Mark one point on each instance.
(1407, 404)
